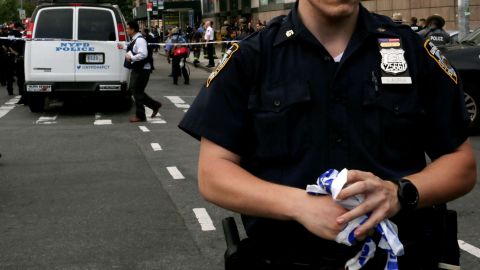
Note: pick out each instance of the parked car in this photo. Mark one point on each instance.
(465, 57)
(77, 49)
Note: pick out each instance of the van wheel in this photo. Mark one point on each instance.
(36, 104)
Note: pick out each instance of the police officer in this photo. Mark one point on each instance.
(16, 50)
(3, 54)
(332, 86)
(138, 61)
(434, 30)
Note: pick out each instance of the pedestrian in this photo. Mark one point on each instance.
(414, 24)
(150, 46)
(397, 18)
(434, 30)
(178, 53)
(138, 61)
(332, 85)
(209, 38)
(422, 23)
(197, 48)
(15, 53)
(3, 54)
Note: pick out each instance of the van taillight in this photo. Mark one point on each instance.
(29, 30)
(121, 32)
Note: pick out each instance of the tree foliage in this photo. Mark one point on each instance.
(8, 11)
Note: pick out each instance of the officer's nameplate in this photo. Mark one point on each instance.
(396, 80)
(393, 61)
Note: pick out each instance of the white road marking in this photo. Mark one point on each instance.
(156, 147)
(101, 122)
(144, 129)
(469, 248)
(13, 101)
(46, 120)
(204, 219)
(175, 173)
(9, 105)
(175, 99)
(155, 120)
(178, 102)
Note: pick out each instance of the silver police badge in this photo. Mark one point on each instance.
(393, 61)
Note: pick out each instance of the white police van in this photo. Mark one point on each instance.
(76, 49)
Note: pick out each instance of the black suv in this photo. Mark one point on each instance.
(465, 57)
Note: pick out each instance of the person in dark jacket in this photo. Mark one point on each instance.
(434, 30)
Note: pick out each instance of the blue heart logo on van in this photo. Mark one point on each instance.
(78, 67)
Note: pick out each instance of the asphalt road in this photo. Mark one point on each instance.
(82, 188)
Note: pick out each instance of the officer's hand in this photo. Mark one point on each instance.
(380, 200)
(128, 57)
(318, 215)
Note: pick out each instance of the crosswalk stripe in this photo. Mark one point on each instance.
(144, 129)
(175, 173)
(204, 219)
(46, 120)
(469, 248)
(156, 147)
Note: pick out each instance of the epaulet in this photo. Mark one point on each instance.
(277, 21)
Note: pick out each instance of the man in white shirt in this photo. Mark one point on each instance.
(138, 60)
(210, 37)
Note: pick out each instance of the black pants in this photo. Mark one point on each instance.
(177, 71)
(210, 54)
(3, 67)
(138, 83)
(15, 69)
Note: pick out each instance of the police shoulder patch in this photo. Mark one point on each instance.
(228, 54)
(437, 55)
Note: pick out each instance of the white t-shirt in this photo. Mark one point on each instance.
(209, 34)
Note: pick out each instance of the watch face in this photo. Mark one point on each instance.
(409, 194)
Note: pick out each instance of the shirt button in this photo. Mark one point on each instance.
(327, 58)
(339, 140)
(396, 109)
(276, 103)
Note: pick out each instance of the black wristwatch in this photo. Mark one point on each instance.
(407, 194)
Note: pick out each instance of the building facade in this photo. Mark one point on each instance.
(448, 9)
(264, 10)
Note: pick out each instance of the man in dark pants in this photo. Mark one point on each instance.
(210, 37)
(178, 61)
(333, 86)
(138, 60)
(16, 50)
(3, 55)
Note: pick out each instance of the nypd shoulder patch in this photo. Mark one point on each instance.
(437, 55)
(228, 54)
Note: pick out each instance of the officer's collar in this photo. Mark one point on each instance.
(292, 26)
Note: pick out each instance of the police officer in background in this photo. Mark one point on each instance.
(16, 50)
(332, 86)
(434, 31)
(3, 55)
(138, 61)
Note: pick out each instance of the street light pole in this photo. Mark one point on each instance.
(463, 18)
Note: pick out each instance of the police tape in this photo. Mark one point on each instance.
(121, 42)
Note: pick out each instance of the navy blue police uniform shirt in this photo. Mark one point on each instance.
(280, 102)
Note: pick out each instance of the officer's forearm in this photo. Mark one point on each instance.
(223, 182)
(447, 178)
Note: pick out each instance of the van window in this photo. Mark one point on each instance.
(95, 24)
(54, 23)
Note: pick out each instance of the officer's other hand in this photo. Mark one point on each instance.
(128, 57)
(318, 215)
(380, 200)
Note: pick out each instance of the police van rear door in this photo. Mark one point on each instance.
(98, 57)
(51, 60)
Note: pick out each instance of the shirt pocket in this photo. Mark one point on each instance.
(392, 118)
(281, 122)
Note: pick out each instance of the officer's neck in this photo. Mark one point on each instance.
(333, 32)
